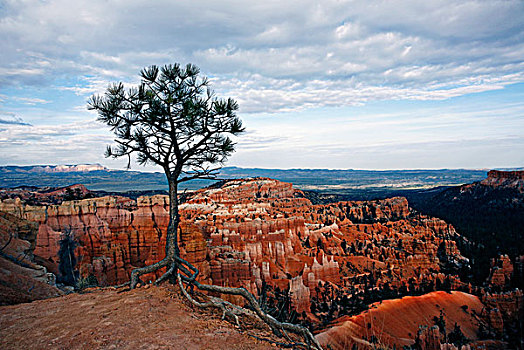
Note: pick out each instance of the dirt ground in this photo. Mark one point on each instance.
(145, 318)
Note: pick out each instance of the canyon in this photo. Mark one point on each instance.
(489, 212)
(321, 265)
(247, 232)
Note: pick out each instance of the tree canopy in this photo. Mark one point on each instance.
(171, 119)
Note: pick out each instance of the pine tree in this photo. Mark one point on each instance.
(172, 119)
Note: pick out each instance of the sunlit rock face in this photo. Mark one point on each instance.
(501, 272)
(114, 233)
(252, 232)
(403, 322)
(508, 179)
(508, 304)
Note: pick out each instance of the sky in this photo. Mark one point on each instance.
(332, 84)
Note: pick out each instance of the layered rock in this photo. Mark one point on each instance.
(428, 338)
(510, 179)
(255, 231)
(501, 272)
(114, 234)
(21, 278)
(47, 195)
(395, 323)
(508, 306)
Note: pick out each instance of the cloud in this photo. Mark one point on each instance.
(431, 154)
(23, 143)
(31, 100)
(254, 140)
(274, 57)
(11, 119)
(18, 131)
(407, 48)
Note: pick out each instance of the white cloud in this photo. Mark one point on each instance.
(31, 100)
(272, 56)
(392, 44)
(9, 118)
(29, 144)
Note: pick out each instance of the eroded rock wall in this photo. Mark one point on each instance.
(255, 231)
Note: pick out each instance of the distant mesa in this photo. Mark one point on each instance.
(509, 179)
(499, 174)
(68, 168)
(353, 184)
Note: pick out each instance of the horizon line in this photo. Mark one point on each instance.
(503, 168)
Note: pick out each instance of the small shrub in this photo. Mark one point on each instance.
(86, 282)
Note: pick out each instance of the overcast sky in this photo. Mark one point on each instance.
(321, 84)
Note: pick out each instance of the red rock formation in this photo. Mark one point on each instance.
(21, 279)
(47, 195)
(512, 175)
(78, 189)
(501, 272)
(511, 179)
(428, 338)
(112, 232)
(396, 322)
(509, 304)
(495, 320)
(299, 293)
(246, 232)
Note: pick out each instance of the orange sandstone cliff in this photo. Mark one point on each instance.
(314, 263)
(256, 232)
(395, 323)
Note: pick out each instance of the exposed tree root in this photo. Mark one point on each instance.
(189, 275)
(136, 273)
(165, 275)
(228, 309)
(283, 345)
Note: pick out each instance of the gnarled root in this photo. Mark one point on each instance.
(227, 308)
(188, 277)
(136, 273)
(279, 328)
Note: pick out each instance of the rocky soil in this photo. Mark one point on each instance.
(145, 318)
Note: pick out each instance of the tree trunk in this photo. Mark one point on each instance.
(172, 248)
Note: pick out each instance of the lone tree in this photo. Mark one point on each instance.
(173, 119)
